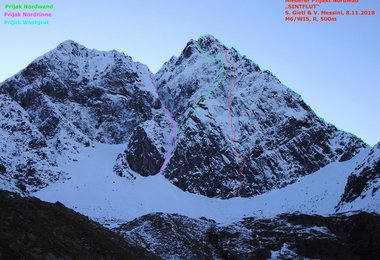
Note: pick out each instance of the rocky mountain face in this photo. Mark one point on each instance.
(27, 163)
(32, 229)
(67, 99)
(288, 236)
(86, 94)
(364, 182)
(277, 134)
(256, 138)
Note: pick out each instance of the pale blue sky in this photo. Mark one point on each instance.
(334, 66)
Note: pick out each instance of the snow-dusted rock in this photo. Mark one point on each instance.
(287, 236)
(72, 97)
(363, 184)
(27, 163)
(75, 96)
(276, 132)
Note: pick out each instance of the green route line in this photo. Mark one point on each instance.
(204, 96)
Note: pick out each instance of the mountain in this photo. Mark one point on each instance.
(84, 93)
(32, 229)
(67, 99)
(236, 162)
(259, 137)
(240, 131)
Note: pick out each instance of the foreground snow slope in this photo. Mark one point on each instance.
(94, 190)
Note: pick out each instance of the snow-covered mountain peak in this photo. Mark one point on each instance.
(74, 96)
(70, 45)
(204, 46)
(225, 107)
(103, 135)
(74, 63)
(72, 48)
(215, 49)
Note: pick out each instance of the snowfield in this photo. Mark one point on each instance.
(93, 189)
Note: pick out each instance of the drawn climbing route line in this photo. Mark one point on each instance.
(207, 94)
(230, 97)
(174, 129)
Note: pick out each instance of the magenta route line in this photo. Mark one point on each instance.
(174, 130)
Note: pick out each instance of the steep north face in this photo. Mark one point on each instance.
(281, 137)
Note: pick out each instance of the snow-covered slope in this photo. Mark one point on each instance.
(362, 188)
(94, 190)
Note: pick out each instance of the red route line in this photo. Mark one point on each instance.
(230, 96)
